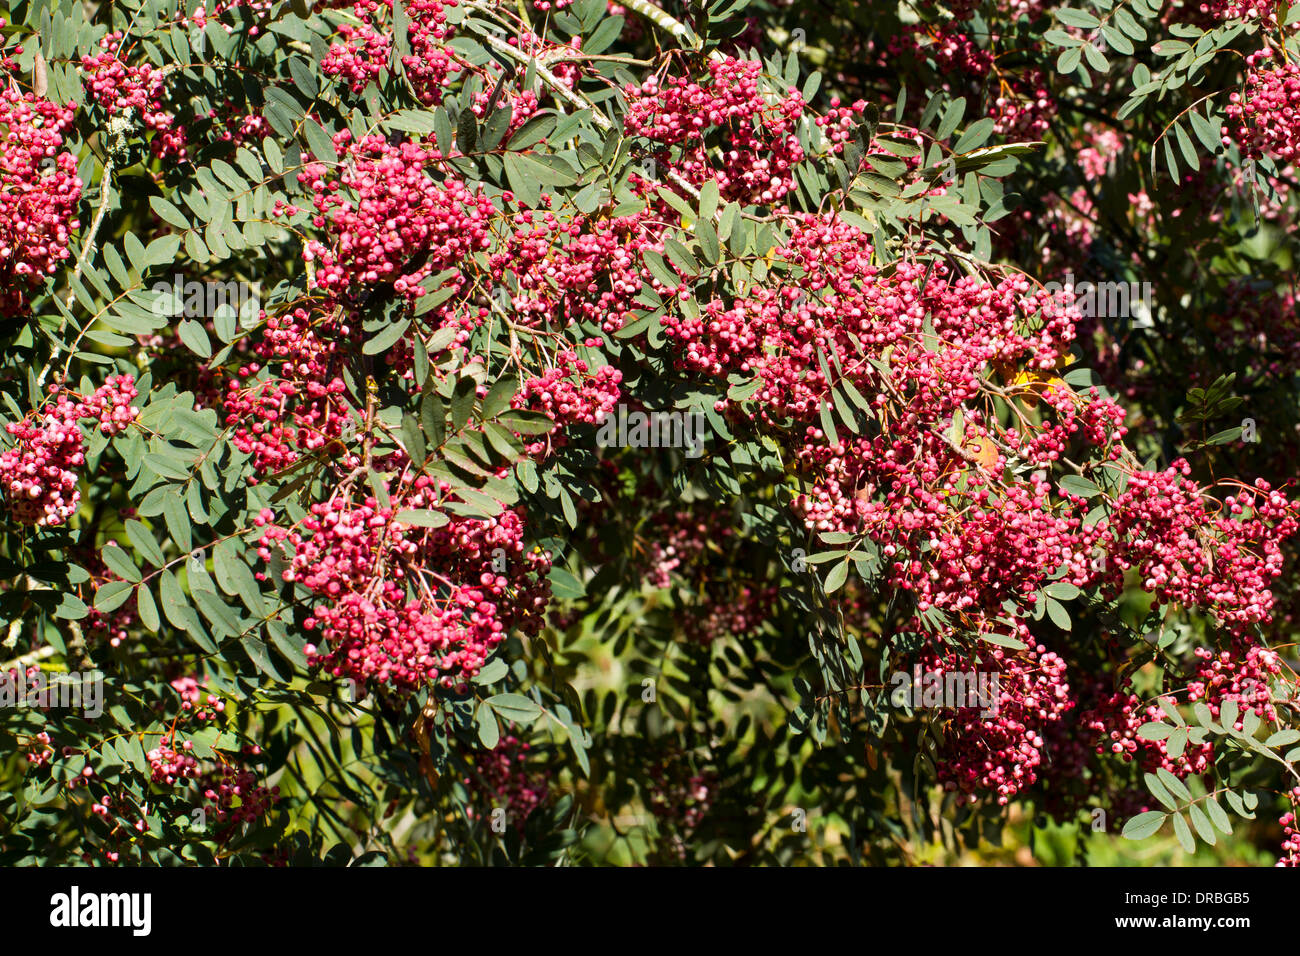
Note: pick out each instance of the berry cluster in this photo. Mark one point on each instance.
(503, 779)
(568, 393)
(291, 400)
(1162, 524)
(39, 475)
(386, 222)
(168, 765)
(39, 192)
(133, 91)
(235, 796)
(1115, 719)
(680, 797)
(1243, 674)
(360, 58)
(759, 145)
(1262, 117)
(1290, 832)
(403, 605)
(999, 748)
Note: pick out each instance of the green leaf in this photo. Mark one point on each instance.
(1155, 730)
(526, 175)
(462, 402)
(837, 576)
(976, 134)
(218, 612)
(1202, 824)
(174, 604)
(146, 608)
(515, 707)
(1062, 591)
(1238, 804)
(144, 543)
(195, 338)
(120, 563)
(1144, 825)
(1159, 791)
(1077, 18)
(386, 337)
(489, 731)
(1217, 816)
(1229, 713)
(1058, 614)
(1176, 786)
(422, 517)
(319, 141)
(498, 398)
(169, 213)
(565, 586)
(111, 596)
(1003, 640)
(1177, 743)
(1282, 738)
(951, 119)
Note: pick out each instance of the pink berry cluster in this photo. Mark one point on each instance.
(235, 796)
(679, 797)
(202, 707)
(776, 331)
(1001, 753)
(1262, 117)
(290, 401)
(760, 146)
(39, 474)
(955, 52)
(39, 192)
(402, 605)
(1290, 832)
(1263, 10)
(429, 64)
(1243, 674)
(1163, 525)
(382, 212)
(504, 779)
(364, 49)
(697, 548)
(261, 9)
(38, 750)
(1023, 108)
(585, 269)
(121, 89)
(554, 392)
(360, 57)
(1115, 719)
(168, 765)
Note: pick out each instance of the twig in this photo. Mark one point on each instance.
(87, 250)
(31, 657)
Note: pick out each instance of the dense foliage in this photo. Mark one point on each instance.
(743, 432)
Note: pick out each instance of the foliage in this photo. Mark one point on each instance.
(470, 432)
